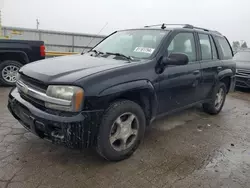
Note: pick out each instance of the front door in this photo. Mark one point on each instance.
(179, 85)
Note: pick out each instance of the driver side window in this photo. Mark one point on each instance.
(183, 43)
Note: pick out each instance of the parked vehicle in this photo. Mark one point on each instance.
(16, 53)
(242, 59)
(106, 97)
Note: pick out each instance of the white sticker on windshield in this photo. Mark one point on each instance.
(144, 50)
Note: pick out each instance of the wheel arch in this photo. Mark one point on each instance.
(225, 76)
(141, 92)
(19, 56)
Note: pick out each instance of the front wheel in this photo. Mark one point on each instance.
(121, 130)
(218, 99)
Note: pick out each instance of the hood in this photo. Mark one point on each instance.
(243, 65)
(69, 68)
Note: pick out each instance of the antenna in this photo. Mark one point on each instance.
(94, 37)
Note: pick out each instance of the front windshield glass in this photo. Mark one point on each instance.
(133, 43)
(242, 56)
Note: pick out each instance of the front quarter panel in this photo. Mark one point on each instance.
(144, 88)
(102, 88)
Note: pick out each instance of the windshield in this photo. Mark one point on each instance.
(242, 56)
(133, 43)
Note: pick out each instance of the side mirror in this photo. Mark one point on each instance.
(175, 59)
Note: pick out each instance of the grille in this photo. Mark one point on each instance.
(36, 102)
(242, 84)
(243, 72)
(241, 79)
(36, 84)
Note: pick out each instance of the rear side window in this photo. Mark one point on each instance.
(206, 49)
(214, 50)
(226, 50)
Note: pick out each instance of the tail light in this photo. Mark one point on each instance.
(42, 51)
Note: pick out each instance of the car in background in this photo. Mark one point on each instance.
(16, 53)
(242, 59)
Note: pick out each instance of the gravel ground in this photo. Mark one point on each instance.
(188, 149)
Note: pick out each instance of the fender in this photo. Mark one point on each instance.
(23, 54)
(142, 86)
(225, 73)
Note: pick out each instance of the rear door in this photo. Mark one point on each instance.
(210, 63)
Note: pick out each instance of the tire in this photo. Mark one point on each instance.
(104, 147)
(5, 66)
(211, 107)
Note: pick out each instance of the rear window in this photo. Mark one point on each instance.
(225, 47)
(242, 56)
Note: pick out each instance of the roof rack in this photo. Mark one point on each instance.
(164, 25)
(187, 26)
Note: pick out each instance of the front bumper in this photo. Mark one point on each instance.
(243, 81)
(72, 130)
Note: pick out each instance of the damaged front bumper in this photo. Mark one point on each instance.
(74, 130)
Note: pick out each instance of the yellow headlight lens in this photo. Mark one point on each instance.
(73, 94)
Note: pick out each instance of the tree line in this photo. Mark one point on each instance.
(237, 45)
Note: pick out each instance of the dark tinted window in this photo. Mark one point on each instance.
(242, 56)
(183, 43)
(214, 50)
(206, 50)
(226, 50)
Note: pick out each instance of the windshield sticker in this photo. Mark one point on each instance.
(144, 50)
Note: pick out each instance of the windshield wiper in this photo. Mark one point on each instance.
(96, 52)
(121, 55)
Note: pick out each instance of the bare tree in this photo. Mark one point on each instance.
(244, 45)
(236, 45)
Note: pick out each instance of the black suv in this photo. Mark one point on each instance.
(105, 98)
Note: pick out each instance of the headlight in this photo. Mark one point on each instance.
(72, 94)
(236, 71)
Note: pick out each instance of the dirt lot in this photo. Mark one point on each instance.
(189, 149)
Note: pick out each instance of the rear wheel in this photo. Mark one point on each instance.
(218, 99)
(121, 130)
(8, 72)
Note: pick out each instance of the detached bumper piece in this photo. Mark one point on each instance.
(72, 130)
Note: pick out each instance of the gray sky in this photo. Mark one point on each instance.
(230, 17)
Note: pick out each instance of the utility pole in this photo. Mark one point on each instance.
(37, 24)
(1, 8)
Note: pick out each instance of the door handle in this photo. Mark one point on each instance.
(219, 68)
(196, 72)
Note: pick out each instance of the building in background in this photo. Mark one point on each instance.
(54, 40)
(0, 24)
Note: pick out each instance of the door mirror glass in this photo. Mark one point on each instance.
(175, 59)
